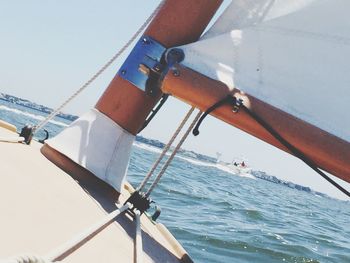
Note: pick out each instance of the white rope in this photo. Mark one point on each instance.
(72, 244)
(78, 240)
(11, 139)
(26, 259)
(83, 237)
(138, 238)
(98, 73)
(165, 166)
(166, 148)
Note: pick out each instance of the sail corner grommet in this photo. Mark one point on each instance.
(172, 57)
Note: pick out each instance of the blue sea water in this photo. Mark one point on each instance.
(222, 217)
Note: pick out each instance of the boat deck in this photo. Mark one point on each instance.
(42, 207)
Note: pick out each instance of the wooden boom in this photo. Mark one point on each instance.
(329, 152)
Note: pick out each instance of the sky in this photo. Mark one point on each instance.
(50, 48)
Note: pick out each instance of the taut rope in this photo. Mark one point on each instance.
(166, 149)
(165, 166)
(99, 72)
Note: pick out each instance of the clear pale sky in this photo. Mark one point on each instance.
(50, 48)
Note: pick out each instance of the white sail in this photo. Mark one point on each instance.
(292, 54)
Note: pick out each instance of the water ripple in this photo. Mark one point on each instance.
(219, 217)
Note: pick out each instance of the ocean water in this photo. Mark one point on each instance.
(222, 217)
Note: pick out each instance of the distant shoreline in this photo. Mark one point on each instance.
(160, 145)
(34, 106)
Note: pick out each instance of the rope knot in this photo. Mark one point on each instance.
(29, 259)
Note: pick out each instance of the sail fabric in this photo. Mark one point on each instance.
(291, 54)
(103, 146)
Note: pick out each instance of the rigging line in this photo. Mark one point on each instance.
(166, 148)
(165, 166)
(293, 149)
(154, 112)
(73, 244)
(99, 72)
(227, 99)
(237, 104)
(11, 139)
(26, 259)
(138, 238)
(77, 241)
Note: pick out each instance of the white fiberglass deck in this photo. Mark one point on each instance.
(42, 207)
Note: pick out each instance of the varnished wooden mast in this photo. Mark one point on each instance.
(179, 22)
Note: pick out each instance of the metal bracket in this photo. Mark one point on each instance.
(138, 201)
(143, 66)
(237, 105)
(148, 63)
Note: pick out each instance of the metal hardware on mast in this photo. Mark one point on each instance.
(143, 64)
(148, 63)
(146, 67)
(100, 71)
(176, 24)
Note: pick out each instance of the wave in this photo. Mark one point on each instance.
(157, 150)
(148, 147)
(30, 115)
(251, 174)
(195, 162)
(227, 169)
(218, 166)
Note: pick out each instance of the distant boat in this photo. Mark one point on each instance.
(237, 166)
(240, 167)
(237, 169)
